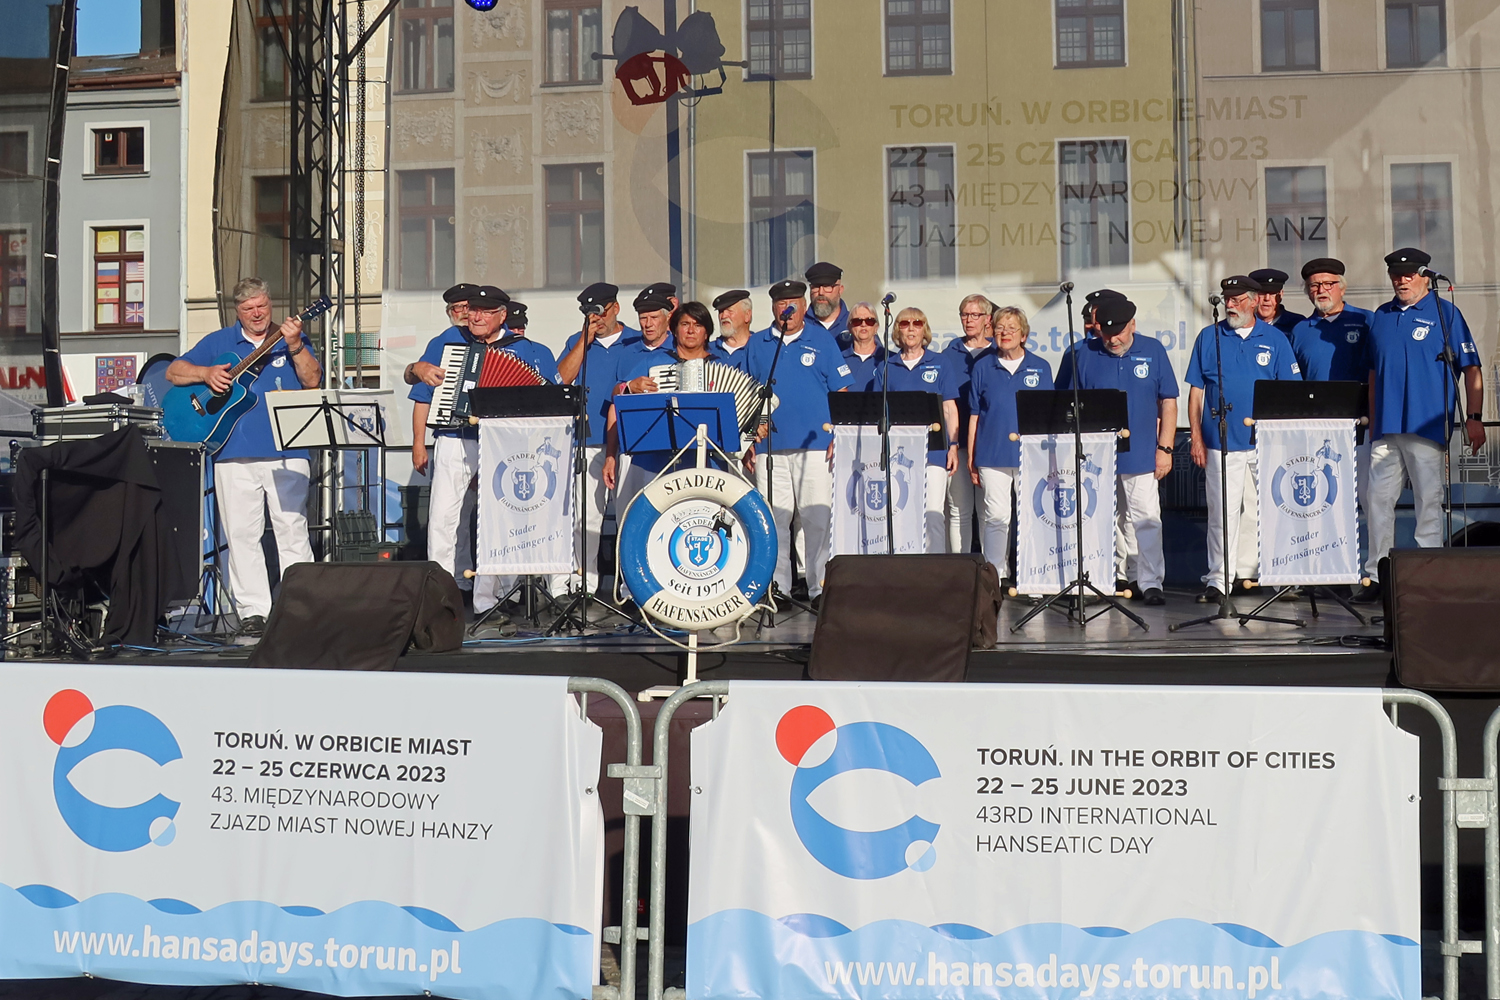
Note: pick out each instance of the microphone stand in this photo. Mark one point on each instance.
(1080, 582)
(768, 617)
(1221, 410)
(1449, 360)
(885, 431)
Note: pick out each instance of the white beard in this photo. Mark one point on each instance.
(1238, 321)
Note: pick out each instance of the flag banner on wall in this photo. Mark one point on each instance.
(347, 833)
(860, 500)
(1048, 504)
(525, 486)
(1035, 841)
(1308, 526)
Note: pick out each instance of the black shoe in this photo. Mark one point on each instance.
(1153, 597)
(253, 627)
(817, 604)
(1134, 586)
(1123, 585)
(1367, 593)
(1210, 595)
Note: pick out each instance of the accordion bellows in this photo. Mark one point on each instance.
(469, 366)
(699, 375)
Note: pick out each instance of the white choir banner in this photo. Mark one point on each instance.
(1019, 842)
(347, 833)
(859, 494)
(1308, 526)
(525, 492)
(1048, 504)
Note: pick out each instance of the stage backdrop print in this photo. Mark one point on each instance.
(525, 486)
(859, 490)
(356, 834)
(1308, 526)
(1048, 503)
(1032, 841)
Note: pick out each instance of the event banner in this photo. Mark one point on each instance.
(860, 500)
(1033, 841)
(349, 833)
(525, 486)
(1308, 527)
(1048, 504)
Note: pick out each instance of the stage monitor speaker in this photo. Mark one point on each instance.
(904, 618)
(1440, 617)
(360, 616)
(179, 473)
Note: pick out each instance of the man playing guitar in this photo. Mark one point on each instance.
(250, 474)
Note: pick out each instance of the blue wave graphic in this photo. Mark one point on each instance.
(378, 948)
(741, 954)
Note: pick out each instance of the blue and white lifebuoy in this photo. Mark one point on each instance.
(698, 548)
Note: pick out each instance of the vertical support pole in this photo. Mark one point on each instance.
(674, 155)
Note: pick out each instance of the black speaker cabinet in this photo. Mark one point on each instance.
(1443, 617)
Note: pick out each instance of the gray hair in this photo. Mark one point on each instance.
(865, 306)
(248, 288)
(969, 300)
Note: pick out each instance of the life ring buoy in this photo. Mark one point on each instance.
(686, 564)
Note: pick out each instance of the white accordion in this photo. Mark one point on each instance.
(702, 375)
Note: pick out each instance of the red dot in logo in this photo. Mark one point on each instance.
(799, 729)
(63, 711)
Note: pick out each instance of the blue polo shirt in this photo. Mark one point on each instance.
(251, 436)
(1410, 383)
(992, 400)
(603, 365)
(1145, 375)
(1287, 322)
(810, 367)
(638, 355)
(929, 374)
(534, 354)
(961, 361)
(1334, 349)
(736, 358)
(1264, 354)
(863, 370)
(836, 326)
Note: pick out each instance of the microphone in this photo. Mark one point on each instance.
(1065, 287)
(592, 309)
(889, 298)
(1431, 275)
(786, 314)
(1214, 300)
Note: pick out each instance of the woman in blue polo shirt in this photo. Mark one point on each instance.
(917, 369)
(994, 459)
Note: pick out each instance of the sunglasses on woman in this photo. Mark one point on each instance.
(866, 321)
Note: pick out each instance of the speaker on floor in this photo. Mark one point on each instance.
(360, 616)
(904, 618)
(1440, 617)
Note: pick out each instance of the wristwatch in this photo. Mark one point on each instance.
(1477, 416)
(1164, 449)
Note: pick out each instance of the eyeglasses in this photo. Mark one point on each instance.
(975, 316)
(1319, 286)
(906, 324)
(866, 321)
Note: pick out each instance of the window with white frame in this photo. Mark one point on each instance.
(920, 212)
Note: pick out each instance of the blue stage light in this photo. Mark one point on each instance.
(481, 5)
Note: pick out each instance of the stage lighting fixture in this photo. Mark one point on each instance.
(482, 5)
(634, 35)
(698, 43)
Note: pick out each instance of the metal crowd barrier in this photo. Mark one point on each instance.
(1467, 802)
(1482, 799)
(636, 806)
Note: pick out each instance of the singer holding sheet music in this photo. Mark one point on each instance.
(250, 474)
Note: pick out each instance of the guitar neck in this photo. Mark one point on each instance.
(269, 344)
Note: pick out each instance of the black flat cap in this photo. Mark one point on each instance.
(1092, 299)
(1271, 280)
(1239, 284)
(1113, 313)
(824, 273)
(459, 292)
(661, 289)
(788, 288)
(515, 315)
(1322, 265)
(600, 293)
(729, 298)
(652, 299)
(1407, 260)
(487, 297)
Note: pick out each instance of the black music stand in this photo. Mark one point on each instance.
(905, 409)
(1290, 400)
(1052, 411)
(343, 423)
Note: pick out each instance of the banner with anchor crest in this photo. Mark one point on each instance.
(1308, 527)
(1050, 501)
(859, 490)
(525, 480)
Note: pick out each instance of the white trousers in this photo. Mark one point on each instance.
(998, 484)
(451, 508)
(1138, 502)
(1247, 552)
(962, 497)
(1241, 477)
(799, 481)
(936, 498)
(1394, 459)
(246, 489)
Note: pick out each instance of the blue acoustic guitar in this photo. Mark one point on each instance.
(197, 413)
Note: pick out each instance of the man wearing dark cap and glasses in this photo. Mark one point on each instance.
(1411, 395)
(735, 314)
(1248, 350)
(826, 309)
(1121, 358)
(798, 478)
(1268, 305)
(457, 307)
(606, 340)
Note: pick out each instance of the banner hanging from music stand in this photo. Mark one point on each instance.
(1308, 527)
(1050, 499)
(859, 490)
(525, 491)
